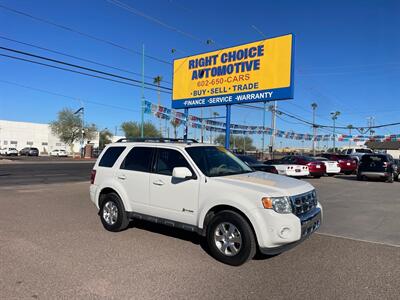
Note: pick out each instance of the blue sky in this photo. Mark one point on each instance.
(347, 56)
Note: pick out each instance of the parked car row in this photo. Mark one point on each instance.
(30, 151)
(371, 165)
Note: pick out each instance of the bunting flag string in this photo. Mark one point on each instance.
(180, 118)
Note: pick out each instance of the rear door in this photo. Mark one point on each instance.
(134, 176)
(171, 198)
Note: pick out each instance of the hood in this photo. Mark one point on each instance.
(271, 184)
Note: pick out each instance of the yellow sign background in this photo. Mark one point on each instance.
(274, 72)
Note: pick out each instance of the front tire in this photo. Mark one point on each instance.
(230, 238)
(112, 213)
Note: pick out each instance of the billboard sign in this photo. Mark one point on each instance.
(254, 72)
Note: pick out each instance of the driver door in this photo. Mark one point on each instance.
(171, 198)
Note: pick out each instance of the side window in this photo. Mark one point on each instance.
(168, 159)
(111, 155)
(348, 151)
(138, 159)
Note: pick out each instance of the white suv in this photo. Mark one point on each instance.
(205, 189)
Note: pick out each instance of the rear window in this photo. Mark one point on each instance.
(374, 158)
(110, 156)
(138, 159)
(363, 151)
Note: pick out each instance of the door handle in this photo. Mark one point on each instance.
(122, 177)
(158, 182)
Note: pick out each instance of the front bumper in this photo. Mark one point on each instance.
(310, 222)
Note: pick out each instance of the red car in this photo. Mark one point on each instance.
(347, 164)
(316, 168)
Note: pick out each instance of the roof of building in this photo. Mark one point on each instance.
(386, 145)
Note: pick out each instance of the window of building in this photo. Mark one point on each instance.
(29, 143)
(44, 143)
(13, 142)
(58, 144)
(138, 159)
(5, 142)
(110, 157)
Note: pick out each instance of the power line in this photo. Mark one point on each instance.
(320, 125)
(139, 13)
(79, 72)
(68, 97)
(80, 67)
(76, 57)
(82, 34)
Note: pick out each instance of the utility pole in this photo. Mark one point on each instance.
(142, 113)
(334, 116)
(273, 125)
(314, 107)
(370, 124)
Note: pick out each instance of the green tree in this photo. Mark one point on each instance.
(239, 142)
(132, 130)
(105, 138)
(68, 128)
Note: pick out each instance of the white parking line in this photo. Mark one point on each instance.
(358, 240)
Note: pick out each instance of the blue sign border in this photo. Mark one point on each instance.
(277, 94)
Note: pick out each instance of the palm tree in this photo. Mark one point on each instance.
(350, 127)
(157, 80)
(175, 123)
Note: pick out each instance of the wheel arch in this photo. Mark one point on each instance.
(111, 189)
(225, 207)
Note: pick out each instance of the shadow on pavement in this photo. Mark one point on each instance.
(183, 235)
(346, 177)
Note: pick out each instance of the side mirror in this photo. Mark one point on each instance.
(181, 173)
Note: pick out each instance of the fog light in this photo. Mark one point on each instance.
(284, 232)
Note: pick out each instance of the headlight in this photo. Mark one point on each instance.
(279, 204)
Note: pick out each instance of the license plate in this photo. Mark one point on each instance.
(318, 166)
(348, 164)
(298, 170)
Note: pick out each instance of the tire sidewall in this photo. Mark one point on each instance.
(121, 222)
(248, 247)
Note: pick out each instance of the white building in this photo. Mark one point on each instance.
(25, 134)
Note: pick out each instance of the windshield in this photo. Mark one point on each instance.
(217, 161)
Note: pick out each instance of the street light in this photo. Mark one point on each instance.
(334, 115)
(314, 107)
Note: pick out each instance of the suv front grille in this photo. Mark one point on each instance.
(303, 203)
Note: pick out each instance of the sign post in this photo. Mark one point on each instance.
(228, 126)
(255, 72)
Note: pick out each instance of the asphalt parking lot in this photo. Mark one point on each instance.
(52, 245)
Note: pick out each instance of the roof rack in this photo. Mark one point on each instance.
(157, 140)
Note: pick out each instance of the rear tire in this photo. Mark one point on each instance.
(230, 238)
(112, 213)
(390, 178)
